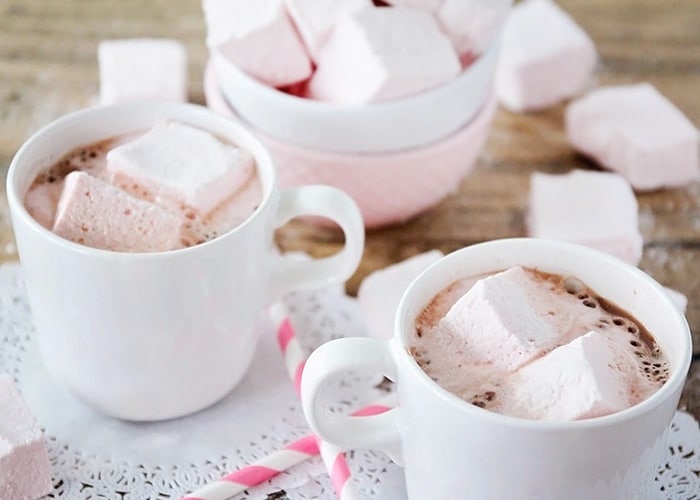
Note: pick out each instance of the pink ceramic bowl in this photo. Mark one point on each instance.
(388, 187)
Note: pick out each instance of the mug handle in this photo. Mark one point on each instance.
(290, 273)
(379, 432)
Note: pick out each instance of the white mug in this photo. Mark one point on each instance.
(454, 450)
(149, 336)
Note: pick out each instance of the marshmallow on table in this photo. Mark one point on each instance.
(25, 472)
(178, 162)
(426, 5)
(473, 25)
(636, 132)
(315, 19)
(574, 381)
(94, 213)
(545, 57)
(380, 292)
(142, 68)
(497, 321)
(259, 38)
(383, 53)
(596, 209)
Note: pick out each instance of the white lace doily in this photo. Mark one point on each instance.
(98, 457)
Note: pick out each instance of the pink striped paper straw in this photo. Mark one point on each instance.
(276, 462)
(294, 358)
(259, 471)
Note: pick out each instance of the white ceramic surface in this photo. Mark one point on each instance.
(411, 122)
(452, 449)
(388, 187)
(148, 336)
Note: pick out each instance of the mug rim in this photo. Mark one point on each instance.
(402, 324)
(160, 110)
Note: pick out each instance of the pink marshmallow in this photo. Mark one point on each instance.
(636, 132)
(427, 5)
(259, 38)
(94, 213)
(361, 63)
(380, 292)
(596, 209)
(181, 163)
(141, 69)
(545, 58)
(473, 25)
(25, 471)
(582, 379)
(315, 19)
(41, 201)
(497, 321)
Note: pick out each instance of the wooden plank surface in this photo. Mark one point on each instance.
(48, 67)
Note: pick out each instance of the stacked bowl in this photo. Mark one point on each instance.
(396, 158)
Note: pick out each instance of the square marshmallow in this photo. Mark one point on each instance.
(25, 471)
(141, 69)
(181, 163)
(545, 57)
(380, 292)
(383, 53)
(498, 322)
(259, 38)
(596, 209)
(473, 25)
(574, 381)
(636, 132)
(94, 213)
(315, 19)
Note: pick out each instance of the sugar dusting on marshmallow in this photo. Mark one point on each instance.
(379, 54)
(315, 19)
(637, 132)
(93, 213)
(259, 38)
(545, 58)
(178, 162)
(141, 69)
(596, 209)
(497, 322)
(25, 471)
(380, 292)
(582, 379)
(473, 25)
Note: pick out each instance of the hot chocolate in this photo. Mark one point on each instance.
(535, 345)
(171, 187)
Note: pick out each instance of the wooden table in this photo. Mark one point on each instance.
(48, 67)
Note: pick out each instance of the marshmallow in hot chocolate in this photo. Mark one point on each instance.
(167, 188)
(181, 163)
(94, 213)
(535, 345)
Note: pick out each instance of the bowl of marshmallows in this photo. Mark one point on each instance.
(389, 101)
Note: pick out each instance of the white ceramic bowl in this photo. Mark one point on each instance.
(388, 187)
(410, 122)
